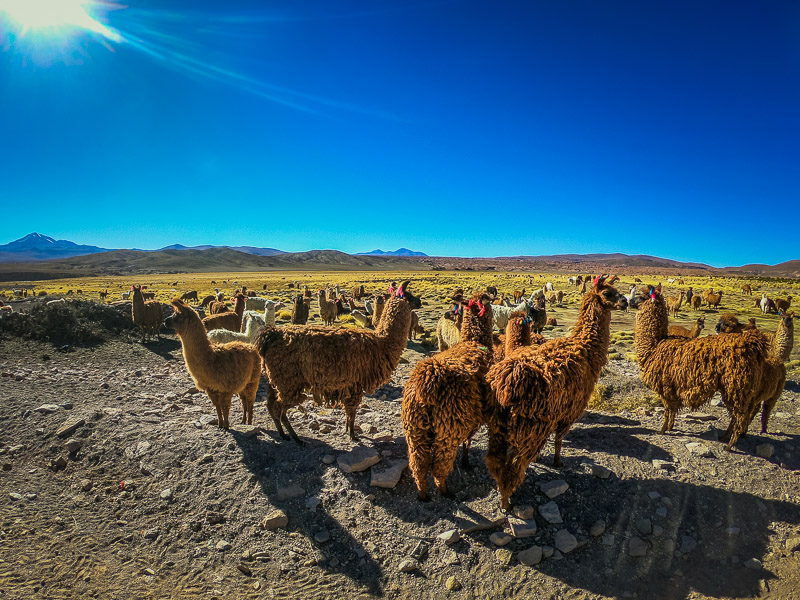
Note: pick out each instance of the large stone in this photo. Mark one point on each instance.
(499, 538)
(565, 541)
(358, 459)
(451, 536)
(287, 492)
(601, 471)
(70, 427)
(73, 445)
(531, 556)
(453, 584)
(521, 528)
(551, 513)
(637, 547)
(275, 520)
(598, 528)
(524, 511)
(388, 476)
(699, 449)
(765, 450)
(551, 489)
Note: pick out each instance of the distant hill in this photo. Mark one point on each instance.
(247, 249)
(398, 252)
(36, 246)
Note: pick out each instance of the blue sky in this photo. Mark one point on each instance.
(456, 128)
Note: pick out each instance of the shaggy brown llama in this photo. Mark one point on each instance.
(688, 372)
(544, 389)
(221, 370)
(228, 320)
(336, 364)
(444, 399)
(327, 309)
(147, 316)
(299, 311)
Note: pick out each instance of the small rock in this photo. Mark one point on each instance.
(287, 492)
(753, 563)
(551, 489)
(661, 511)
(608, 539)
(450, 537)
(666, 501)
(60, 462)
(598, 528)
(452, 584)
(557, 555)
(663, 464)
(700, 417)
(388, 476)
(637, 547)
(66, 405)
(328, 459)
(565, 541)
(72, 445)
(275, 520)
(166, 494)
(46, 409)
(654, 495)
(383, 436)
(244, 569)
(688, 543)
(765, 451)
(249, 431)
(15, 496)
(669, 546)
(644, 526)
(322, 536)
(547, 551)
(503, 556)
(531, 556)
(500, 538)
(658, 530)
(70, 427)
(699, 449)
(732, 531)
(152, 533)
(86, 485)
(550, 512)
(524, 512)
(213, 517)
(793, 543)
(408, 565)
(206, 458)
(358, 459)
(223, 545)
(601, 471)
(312, 503)
(521, 528)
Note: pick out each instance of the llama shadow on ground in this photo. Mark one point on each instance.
(165, 347)
(289, 476)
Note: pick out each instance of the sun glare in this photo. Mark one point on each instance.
(54, 17)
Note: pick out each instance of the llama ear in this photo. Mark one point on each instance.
(178, 304)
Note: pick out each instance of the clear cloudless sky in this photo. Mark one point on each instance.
(467, 128)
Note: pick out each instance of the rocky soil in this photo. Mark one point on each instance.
(116, 483)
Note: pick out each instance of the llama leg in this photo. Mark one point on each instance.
(274, 409)
(350, 407)
(290, 429)
(419, 462)
(769, 404)
(215, 400)
(465, 453)
(444, 455)
(248, 398)
(225, 403)
(666, 420)
(672, 419)
(739, 425)
(516, 470)
(561, 430)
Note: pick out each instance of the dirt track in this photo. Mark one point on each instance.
(77, 531)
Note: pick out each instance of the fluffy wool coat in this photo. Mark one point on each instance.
(147, 316)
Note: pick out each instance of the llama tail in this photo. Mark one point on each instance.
(432, 381)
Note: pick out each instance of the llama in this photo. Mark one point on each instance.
(219, 370)
(299, 311)
(714, 299)
(680, 331)
(227, 320)
(207, 300)
(696, 302)
(223, 336)
(147, 316)
(337, 365)
(544, 389)
(674, 304)
(690, 371)
(327, 309)
(443, 401)
(783, 305)
(186, 296)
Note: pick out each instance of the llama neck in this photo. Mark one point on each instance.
(695, 330)
(593, 329)
(476, 328)
(137, 303)
(197, 351)
(517, 335)
(651, 327)
(393, 327)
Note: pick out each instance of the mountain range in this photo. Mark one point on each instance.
(37, 256)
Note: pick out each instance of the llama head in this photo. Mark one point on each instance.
(608, 294)
(181, 316)
(404, 293)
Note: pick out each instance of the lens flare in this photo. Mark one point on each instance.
(55, 17)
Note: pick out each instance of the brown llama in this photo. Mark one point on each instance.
(690, 371)
(674, 304)
(221, 370)
(544, 389)
(147, 316)
(228, 320)
(299, 311)
(696, 302)
(207, 300)
(443, 401)
(336, 364)
(217, 307)
(680, 331)
(327, 309)
(747, 290)
(186, 296)
(783, 305)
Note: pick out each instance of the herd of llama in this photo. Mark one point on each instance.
(524, 388)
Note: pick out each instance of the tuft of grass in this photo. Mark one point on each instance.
(603, 399)
(346, 318)
(284, 314)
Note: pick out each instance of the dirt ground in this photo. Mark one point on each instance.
(146, 498)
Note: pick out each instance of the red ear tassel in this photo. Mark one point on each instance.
(399, 293)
